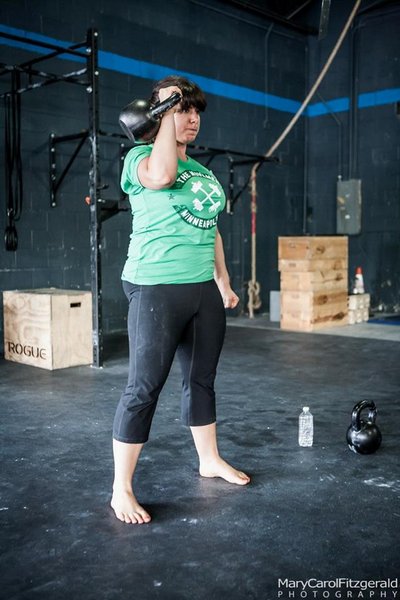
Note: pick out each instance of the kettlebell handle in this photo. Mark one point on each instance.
(161, 107)
(356, 414)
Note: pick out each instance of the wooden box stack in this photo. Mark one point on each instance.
(314, 282)
(48, 328)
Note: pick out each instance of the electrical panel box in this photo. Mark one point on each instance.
(348, 206)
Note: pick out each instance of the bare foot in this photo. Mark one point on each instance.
(220, 468)
(127, 508)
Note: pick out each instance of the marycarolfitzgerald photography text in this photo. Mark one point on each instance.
(342, 588)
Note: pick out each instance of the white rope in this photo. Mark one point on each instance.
(253, 285)
(317, 82)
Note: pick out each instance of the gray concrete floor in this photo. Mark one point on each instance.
(368, 329)
(310, 513)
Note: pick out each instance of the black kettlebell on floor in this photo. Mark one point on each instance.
(364, 437)
(140, 121)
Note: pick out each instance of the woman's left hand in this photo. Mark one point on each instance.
(230, 299)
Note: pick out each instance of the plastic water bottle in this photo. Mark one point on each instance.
(358, 287)
(306, 427)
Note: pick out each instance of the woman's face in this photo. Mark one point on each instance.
(187, 125)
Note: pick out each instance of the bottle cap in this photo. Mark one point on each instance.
(306, 408)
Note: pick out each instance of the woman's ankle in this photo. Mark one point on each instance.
(122, 486)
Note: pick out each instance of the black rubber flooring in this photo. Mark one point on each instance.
(313, 522)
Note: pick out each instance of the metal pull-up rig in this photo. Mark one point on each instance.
(87, 77)
(100, 209)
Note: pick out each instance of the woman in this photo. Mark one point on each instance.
(177, 285)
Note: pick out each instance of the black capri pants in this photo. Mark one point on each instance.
(163, 320)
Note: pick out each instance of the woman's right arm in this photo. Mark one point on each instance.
(159, 170)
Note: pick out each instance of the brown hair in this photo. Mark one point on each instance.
(192, 95)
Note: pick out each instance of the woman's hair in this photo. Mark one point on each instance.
(192, 95)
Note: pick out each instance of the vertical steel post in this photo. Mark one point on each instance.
(52, 170)
(94, 185)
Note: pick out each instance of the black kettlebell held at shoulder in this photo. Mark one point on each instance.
(364, 437)
(140, 120)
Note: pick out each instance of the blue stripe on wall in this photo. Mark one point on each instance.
(36, 37)
(139, 68)
(379, 97)
(146, 70)
(330, 106)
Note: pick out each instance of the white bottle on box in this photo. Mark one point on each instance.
(358, 287)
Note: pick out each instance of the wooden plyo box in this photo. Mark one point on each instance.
(314, 282)
(308, 247)
(307, 311)
(48, 328)
(327, 280)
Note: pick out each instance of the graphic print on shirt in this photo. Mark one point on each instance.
(206, 203)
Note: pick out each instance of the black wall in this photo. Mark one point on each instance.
(208, 39)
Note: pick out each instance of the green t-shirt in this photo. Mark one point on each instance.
(173, 232)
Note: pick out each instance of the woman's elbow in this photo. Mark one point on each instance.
(160, 181)
(165, 181)
(155, 178)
